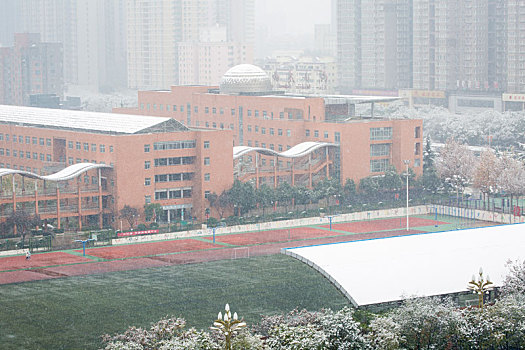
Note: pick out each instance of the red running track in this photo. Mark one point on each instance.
(149, 249)
(39, 260)
(271, 236)
(382, 225)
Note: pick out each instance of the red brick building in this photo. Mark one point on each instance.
(30, 67)
(273, 123)
(147, 160)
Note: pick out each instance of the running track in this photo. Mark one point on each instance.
(51, 265)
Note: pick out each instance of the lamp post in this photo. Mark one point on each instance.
(481, 286)
(228, 326)
(407, 162)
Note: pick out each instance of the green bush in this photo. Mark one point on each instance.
(153, 225)
(141, 227)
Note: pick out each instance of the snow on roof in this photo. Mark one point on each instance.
(78, 120)
(389, 269)
(68, 173)
(296, 151)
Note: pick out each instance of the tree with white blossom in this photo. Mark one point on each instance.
(455, 165)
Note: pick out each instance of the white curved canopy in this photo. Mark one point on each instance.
(68, 173)
(296, 151)
(389, 269)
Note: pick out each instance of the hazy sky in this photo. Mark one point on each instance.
(292, 16)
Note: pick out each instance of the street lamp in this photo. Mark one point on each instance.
(228, 326)
(481, 286)
(407, 162)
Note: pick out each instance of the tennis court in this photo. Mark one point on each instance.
(39, 260)
(383, 224)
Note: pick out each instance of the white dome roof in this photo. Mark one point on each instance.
(245, 78)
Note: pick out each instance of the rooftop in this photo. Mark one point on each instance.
(104, 123)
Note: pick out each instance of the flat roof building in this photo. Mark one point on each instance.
(146, 160)
(272, 123)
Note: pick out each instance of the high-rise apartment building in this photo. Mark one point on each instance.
(30, 67)
(374, 44)
(169, 41)
(515, 48)
(91, 32)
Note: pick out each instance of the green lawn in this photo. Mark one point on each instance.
(72, 313)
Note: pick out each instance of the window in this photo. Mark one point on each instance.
(167, 108)
(272, 146)
(233, 111)
(206, 110)
(256, 128)
(110, 149)
(222, 125)
(378, 134)
(7, 152)
(222, 111)
(182, 108)
(70, 160)
(102, 148)
(281, 115)
(417, 149)
(48, 142)
(42, 156)
(7, 137)
(15, 139)
(256, 113)
(28, 155)
(78, 146)
(86, 146)
(147, 164)
(1, 151)
(265, 114)
(379, 165)
(272, 131)
(207, 194)
(417, 162)
(263, 131)
(78, 160)
(15, 153)
(28, 140)
(146, 148)
(249, 128)
(70, 144)
(1, 137)
(35, 155)
(93, 147)
(48, 157)
(380, 150)
(417, 132)
(249, 113)
(214, 110)
(207, 177)
(174, 108)
(280, 148)
(307, 132)
(290, 115)
(288, 132)
(206, 144)
(147, 181)
(316, 133)
(196, 109)
(147, 199)
(207, 124)
(337, 136)
(280, 132)
(206, 160)
(214, 125)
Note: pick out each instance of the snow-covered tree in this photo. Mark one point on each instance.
(487, 173)
(342, 331)
(514, 282)
(511, 177)
(456, 165)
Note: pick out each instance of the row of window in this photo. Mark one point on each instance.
(167, 145)
(173, 177)
(28, 155)
(271, 145)
(214, 110)
(174, 161)
(28, 139)
(173, 193)
(79, 146)
(380, 134)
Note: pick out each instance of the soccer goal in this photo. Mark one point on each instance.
(240, 252)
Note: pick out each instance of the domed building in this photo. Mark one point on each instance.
(245, 79)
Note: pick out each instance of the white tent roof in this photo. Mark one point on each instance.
(68, 173)
(389, 269)
(296, 151)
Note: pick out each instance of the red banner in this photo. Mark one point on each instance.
(136, 233)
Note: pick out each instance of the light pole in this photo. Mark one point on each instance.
(228, 326)
(407, 162)
(481, 286)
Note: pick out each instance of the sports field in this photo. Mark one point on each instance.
(64, 300)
